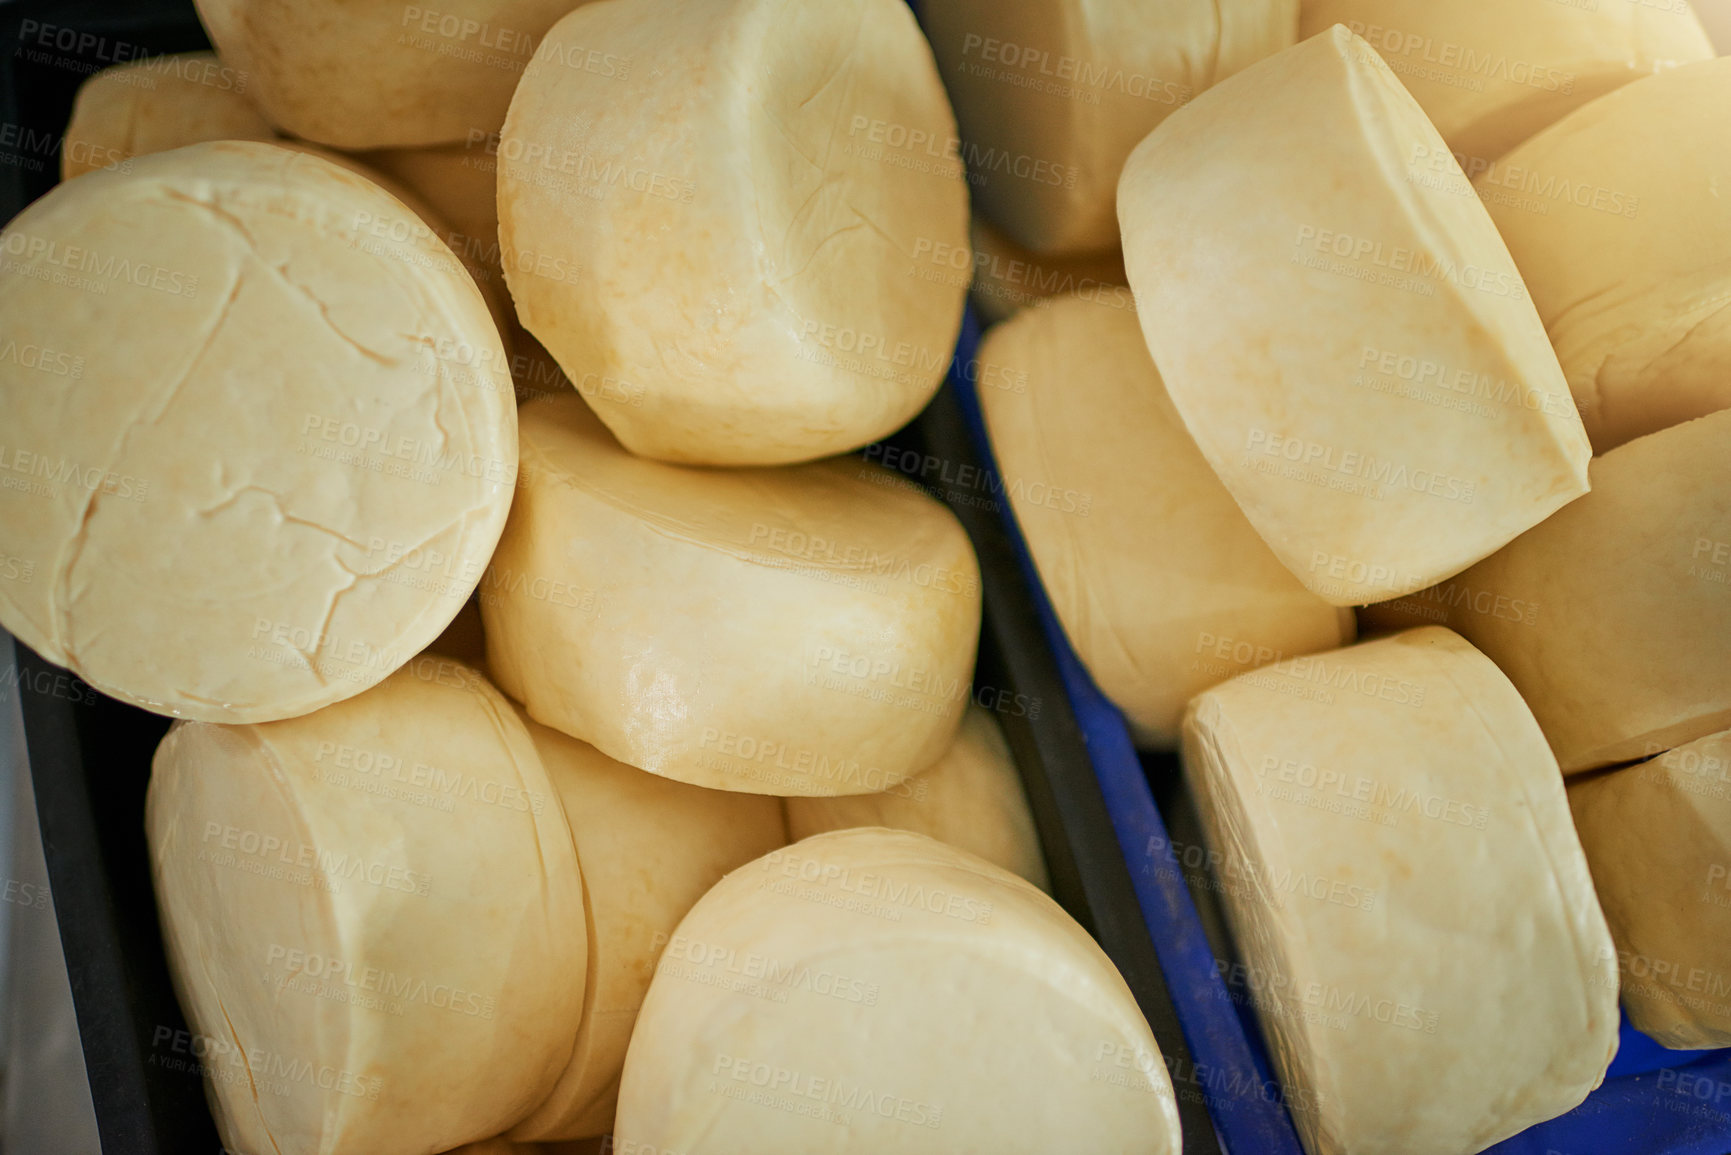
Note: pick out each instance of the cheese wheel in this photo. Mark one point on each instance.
(897, 995)
(734, 233)
(1416, 919)
(154, 105)
(1053, 94)
(1613, 618)
(1007, 277)
(373, 75)
(270, 365)
(1347, 340)
(373, 915)
(649, 848)
(1616, 217)
(1491, 73)
(971, 798)
(772, 631)
(1162, 586)
(1658, 837)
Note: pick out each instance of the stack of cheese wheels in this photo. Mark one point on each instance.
(1613, 618)
(154, 105)
(649, 849)
(399, 874)
(272, 363)
(1474, 994)
(756, 196)
(971, 798)
(1616, 217)
(794, 631)
(1161, 584)
(1658, 837)
(1053, 94)
(1490, 73)
(920, 998)
(1333, 328)
(1007, 277)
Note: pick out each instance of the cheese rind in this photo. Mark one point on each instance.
(908, 997)
(806, 630)
(1407, 888)
(154, 105)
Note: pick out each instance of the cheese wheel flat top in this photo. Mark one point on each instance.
(154, 105)
(911, 998)
(260, 434)
(1342, 329)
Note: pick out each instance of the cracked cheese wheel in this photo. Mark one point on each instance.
(1658, 838)
(1490, 73)
(875, 990)
(1007, 277)
(1053, 94)
(269, 363)
(371, 75)
(733, 237)
(154, 105)
(374, 917)
(649, 848)
(1413, 892)
(972, 798)
(1613, 618)
(1616, 217)
(1348, 342)
(804, 630)
(1161, 584)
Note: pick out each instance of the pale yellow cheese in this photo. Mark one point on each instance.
(1412, 894)
(154, 105)
(374, 918)
(1616, 217)
(649, 848)
(1341, 328)
(1162, 586)
(1007, 277)
(806, 630)
(1053, 94)
(733, 237)
(259, 438)
(1715, 17)
(458, 181)
(875, 990)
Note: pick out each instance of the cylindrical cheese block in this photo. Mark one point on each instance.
(1053, 94)
(154, 105)
(1161, 584)
(734, 235)
(1414, 914)
(972, 798)
(1616, 217)
(792, 631)
(1658, 839)
(374, 917)
(649, 848)
(1613, 618)
(896, 995)
(1007, 277)
(1347, 340)
(371, 75)
(260, 437)
(1490, 73)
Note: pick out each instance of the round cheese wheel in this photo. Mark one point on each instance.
(1616, 217)
(735, 232)
(875, 990)
(1347, 340)
(1007, 277)
(771, 631)
(649, 848)
(271, 364)
(1415, 917)
(1053, 94)
(1613, 618)
(374, 917)
(1658, 838)
(1161, 584)
(154, 105)
(375, 75)
(972, 798)
(1490, 73)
